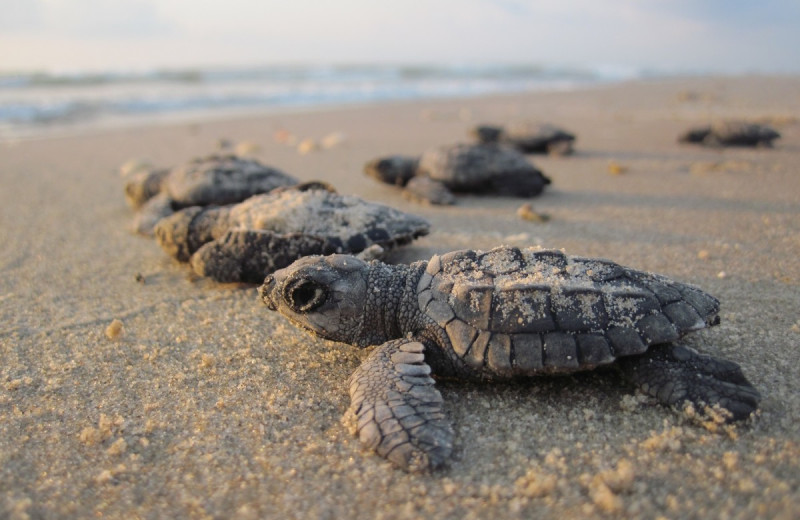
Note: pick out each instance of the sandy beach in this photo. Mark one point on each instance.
(207, 405)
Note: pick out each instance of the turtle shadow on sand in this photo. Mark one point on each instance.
(499, 315)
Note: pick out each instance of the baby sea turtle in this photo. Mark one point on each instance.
(479, 168)
(244, 242)
(215, 179)
(527, 137)
(499, 314)
(731, 133)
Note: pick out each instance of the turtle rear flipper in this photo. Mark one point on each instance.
(675, 373)
(245, 255)
(398, 409)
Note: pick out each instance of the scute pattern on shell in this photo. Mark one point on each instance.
(351, 220)
(522, 311)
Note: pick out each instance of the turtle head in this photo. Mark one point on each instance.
(487, 133)
(323, 294)
(397, 169)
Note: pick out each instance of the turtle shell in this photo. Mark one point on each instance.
(513, 311)
(221, 179)
(731, 133)
(742, 134)
(466, 167)
(535, 138)
(347, 223)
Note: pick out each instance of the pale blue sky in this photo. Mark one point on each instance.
(716, 35)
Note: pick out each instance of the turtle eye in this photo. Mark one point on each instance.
(304, 295)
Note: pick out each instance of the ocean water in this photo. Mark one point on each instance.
(37, 104)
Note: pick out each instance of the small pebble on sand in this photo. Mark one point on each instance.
(615, 168)
(247, 148)
(333, 140)
(114, 329)
(307, 146)
(284, 136)
(526, 212)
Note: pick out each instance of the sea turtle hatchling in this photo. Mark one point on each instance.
(731, 133)
(244, 242)
(527, 137)
(475, 168)
(499, 314)
(215, 179)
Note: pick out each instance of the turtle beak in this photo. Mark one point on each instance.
(266, 291)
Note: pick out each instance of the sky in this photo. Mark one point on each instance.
(727, 36)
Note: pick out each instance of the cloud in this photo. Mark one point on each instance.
(721, 35)
(19, 15)
(512, 7)
(732, 14)
(83, 19)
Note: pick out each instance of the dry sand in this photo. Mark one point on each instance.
(130, 389)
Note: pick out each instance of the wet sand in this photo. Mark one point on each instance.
(204, 404)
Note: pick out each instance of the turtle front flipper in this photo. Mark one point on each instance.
(676, 373)
(398, 409)
(243, 255)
